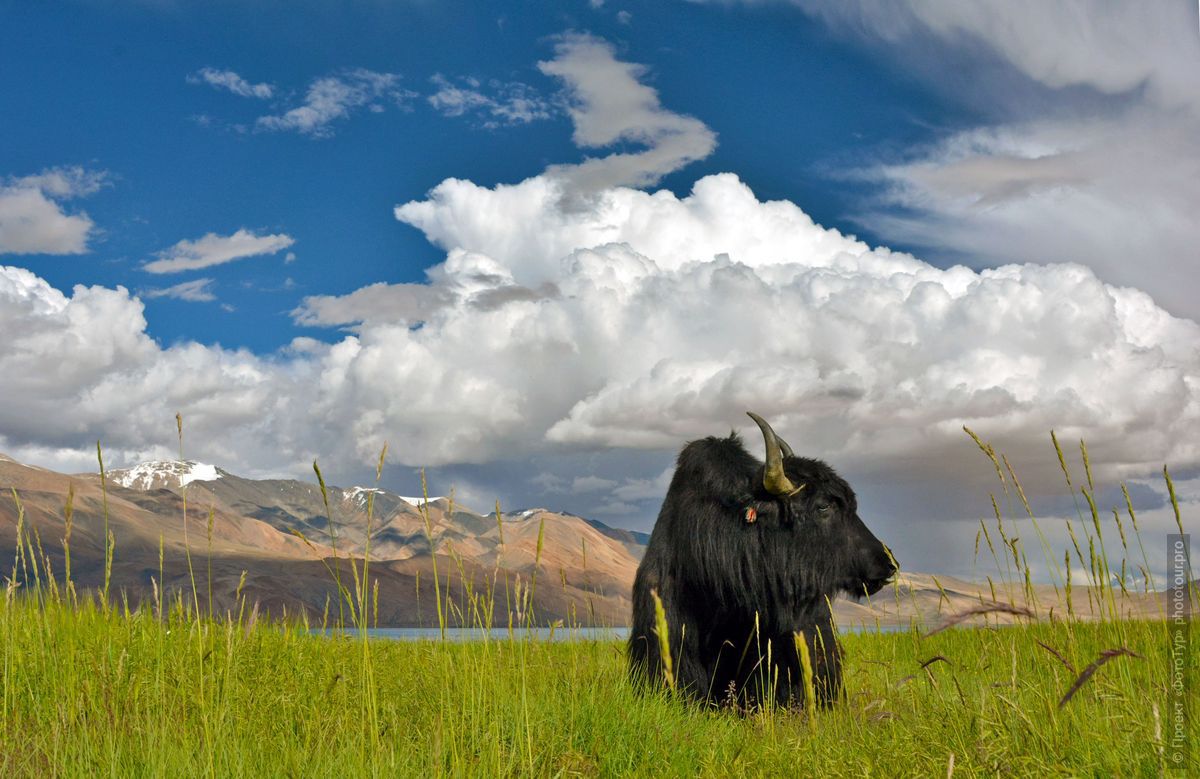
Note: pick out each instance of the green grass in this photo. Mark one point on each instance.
(89, 692)
(90, 688)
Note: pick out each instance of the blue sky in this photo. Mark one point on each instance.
(537, 246)
(105, 86)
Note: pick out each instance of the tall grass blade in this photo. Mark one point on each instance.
(664, 641)
(108, 540)
(806, 667)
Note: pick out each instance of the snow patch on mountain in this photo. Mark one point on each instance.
(359, 495)
(158, 474)
(417, 502)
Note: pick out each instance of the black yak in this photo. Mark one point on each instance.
(745, 556)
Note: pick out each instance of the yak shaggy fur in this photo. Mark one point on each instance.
(741, 571)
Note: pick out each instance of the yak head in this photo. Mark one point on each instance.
(817, 505)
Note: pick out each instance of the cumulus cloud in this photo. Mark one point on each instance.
(675, 312)
(524, 230)
(671, 316)
(335, 97)
(608, 105)
(465, 279)
(89, 352)
(32, 218)
(501, 104)
(1102, 168)
(194, 291)
(621, 330)
(231, 81)
(212, 249)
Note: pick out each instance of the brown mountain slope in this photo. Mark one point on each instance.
(252, 531)
(137, 519)
(584, 575)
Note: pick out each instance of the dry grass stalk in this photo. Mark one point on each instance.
(1070, 666)
(989, 451)
(109, 541)
(935, 659)
(187, 547)
(993, 608)
(69, 514)
(1105, 656)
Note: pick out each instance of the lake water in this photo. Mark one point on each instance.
(540, 634)
(479, 634)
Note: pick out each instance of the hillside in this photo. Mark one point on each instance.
(584, 575)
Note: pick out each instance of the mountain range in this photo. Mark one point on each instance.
(281, 542)
(283, 534)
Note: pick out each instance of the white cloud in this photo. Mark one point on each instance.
(377, 302)
(634, 489)
(1102, 169)
(195, 291)
(672, 317)
(1111, 47)
(453, 100)
(548, 482)
(335, 97)
(64, 182)
(526, 233)
(465, 278)
(687, 311)
(639, 322)
(503, 103)
(1116, 195)
(212, 249)
(227, 79)
(582, 484)
(32, 220)
(89, 352)
(609, 105)
(615, 509)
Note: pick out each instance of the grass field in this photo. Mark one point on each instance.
(93, 688)
(89, 693)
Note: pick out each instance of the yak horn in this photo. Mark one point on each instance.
(775, 480)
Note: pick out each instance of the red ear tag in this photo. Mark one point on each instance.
(750, 515)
